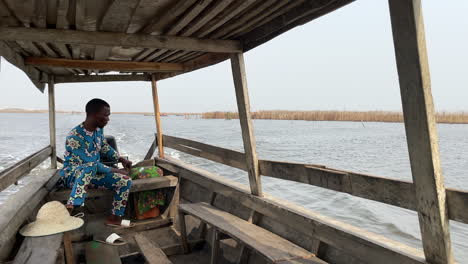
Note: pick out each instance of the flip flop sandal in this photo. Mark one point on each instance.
(123, 224)
(113, 239)
(79, 215)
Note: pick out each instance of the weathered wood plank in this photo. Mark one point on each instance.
(264, 17)
(6, 16)
(11, 174)
(224, 17)
(390, 191)
(244, 19)
(116, 19)
(43, 249)
(67, 246)
(269, 245)
(151, 150)
(157, 116)
(20, 206)
(381, 189)
(119, 39)
(152, 254)
(62, 11)
(362, 244)
(214, 246)
(421, 130)
(105, 65)
(102, 78)
(248, 137)
(225, 156)
(158, 24)
(208, 15)
(300, 15)
(52, 131)
(14, 58)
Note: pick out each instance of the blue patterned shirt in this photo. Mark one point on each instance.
(83, 147)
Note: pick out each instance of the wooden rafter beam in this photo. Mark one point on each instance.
(105, 65)
(197, 63)
(118, 39)
(102, 78)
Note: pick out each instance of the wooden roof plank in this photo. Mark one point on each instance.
(265, 17)
(151, 54)
(207, 16)
(224, 17)
(145, 11)
(40, 14)
(155, 54)
(6, 16)
(102, 78)
(116, 19)
(188, 17)
(120, 39)
(23, 10)
(159, 23)
(14, 58)
(62, 14)
(300, 15)
(254, 11)
(105, 65)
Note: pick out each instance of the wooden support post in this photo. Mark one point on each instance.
(53, 156)
(421, 131)
(67, 245)
(157, 116)
(183, 232)
(214, 246)
(243, 105)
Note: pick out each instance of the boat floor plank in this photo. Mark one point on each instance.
(152, 254)
(271, 246)
(44, 249)
(100, 253)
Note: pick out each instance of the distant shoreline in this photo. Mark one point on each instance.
(353, 116)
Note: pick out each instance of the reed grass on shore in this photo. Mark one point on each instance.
(356, 116)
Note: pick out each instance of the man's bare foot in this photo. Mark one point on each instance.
(114, 220)
(69, 208)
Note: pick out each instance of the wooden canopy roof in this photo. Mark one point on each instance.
(81, 40)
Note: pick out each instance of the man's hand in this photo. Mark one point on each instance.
(126, 163)
(121, 171)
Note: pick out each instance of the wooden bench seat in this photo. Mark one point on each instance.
(44, 249)
(151, 253)
(271, 246)
(137, 186)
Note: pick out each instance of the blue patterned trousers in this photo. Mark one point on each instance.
(83, 177)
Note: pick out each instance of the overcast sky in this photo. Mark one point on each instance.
(342, 61)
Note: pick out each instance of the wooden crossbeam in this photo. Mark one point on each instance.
(105, 65)
(102, 78)
(119, 39)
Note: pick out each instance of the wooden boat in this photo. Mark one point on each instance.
(212, 219)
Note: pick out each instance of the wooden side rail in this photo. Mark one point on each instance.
(372, 248)
(11, 174)
(225, 156)
(381, 189)
(269, 245)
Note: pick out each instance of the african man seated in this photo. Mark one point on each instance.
(82, 168)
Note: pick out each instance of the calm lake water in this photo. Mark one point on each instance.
(372, 148)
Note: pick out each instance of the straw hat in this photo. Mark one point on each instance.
(52, 218)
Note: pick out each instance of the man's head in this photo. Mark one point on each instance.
(98, 112)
